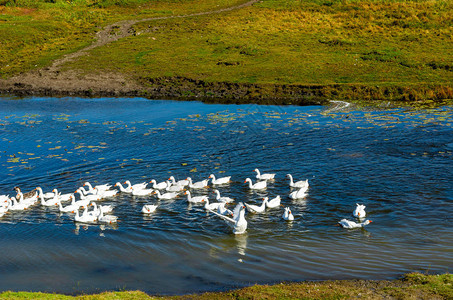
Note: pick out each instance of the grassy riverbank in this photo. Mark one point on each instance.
(412, 286)
(313, 49)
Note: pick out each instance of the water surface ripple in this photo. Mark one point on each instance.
(397, 162)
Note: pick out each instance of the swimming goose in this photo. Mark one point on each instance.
(264, 176)
(51, 202)
(28, 201)
(211, 206)
(222, 180)
(149, 208)
(359, 211)
(123, 189)
(105, 208)
(238, 221)
(174, 187)
(84, 200)
(166, 195)
(198, 185)
(222, 199)
(183, 182)
(196, 199)
(299, 194)
(287, 215)
(260, 185)
(85, 192)
(64, 197)
(106, 218)
(85, 217)
(351, 224)
(137, 186)
(69, 208)
(45, 195)
(105, 193)
(159, 186)
(298, 184)
(14, 205)
(255, 208)
(102, 187)
(89, 198)
(275, 202)
(33, 193)
(142, 192)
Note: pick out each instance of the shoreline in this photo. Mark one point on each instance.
(70, 84)
(410, 286)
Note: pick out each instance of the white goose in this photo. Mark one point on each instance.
(174, 187)
(69, 208)
(14, 205)
(351, 224)
(137, 186)
(199, 184)
(260, 185)
(267, 176)
(359, 211)
(287, 215)
(183, 182)
(298, 184)
(28, 201)
(123, 189)
(196, 199)
(222, 199)
(159, 186)
(238, 221)
(211, 206)
(85, 192)
(85, 217)
(51, 202)
(273, 203)
(64, 197)
(166, 196)
(45, 195)
(105, 193)
(106, 218)
(102, 187)
(84, 200)
(299, 194)
(105, 208)
(89, 198)
(149, 208)
(255, 208)
(142, 192)
(222, 180)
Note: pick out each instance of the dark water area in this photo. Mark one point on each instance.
(397, 162)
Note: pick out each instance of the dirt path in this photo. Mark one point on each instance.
(51, 81)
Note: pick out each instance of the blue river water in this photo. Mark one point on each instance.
(397, 162)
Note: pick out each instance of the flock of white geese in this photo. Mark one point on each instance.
(93, 212)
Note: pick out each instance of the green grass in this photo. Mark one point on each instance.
(294, 42)
(35, 32)
(412, 286)
(386, 46)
